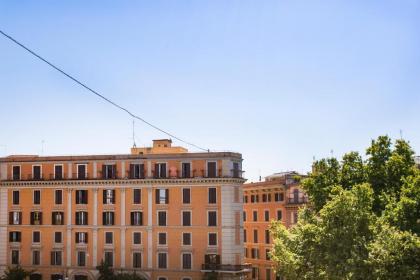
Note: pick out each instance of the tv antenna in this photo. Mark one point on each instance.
(134, 135)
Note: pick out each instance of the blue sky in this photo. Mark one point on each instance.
(279, 81)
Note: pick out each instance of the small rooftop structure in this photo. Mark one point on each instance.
(160, 146)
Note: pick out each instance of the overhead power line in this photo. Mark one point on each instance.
(98, 94)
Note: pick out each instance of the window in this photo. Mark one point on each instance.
(109, 258)
(245, 252)
(136, 196)
(108, 218)
(279, 215)
(57, 218)
(36, 172)
(136, 238)
(58, 172)
(137, 260)
(244, 213)
(56, 258)
(15, 198)
(186, 170)
(186, 260)
(15, 257)
(235, 170)
(81, 258)
(252, 198)
(58, 237)
(186, 218)
(267, 236)
(257, 198)
(162, 260)
(254, 216)
(109, 237)
(267, 254)
(36, 218)
(278, 197)
(16, 172)
(255, 236)
(108, 196)
(81, 197)
(81, 237)
(267, 274)
(186, 196)
(162, 238)
(37, 197)
(212, 195)
(264, 197)
(160, 170)
(244, 235)
(82, 218)
(211, 169)
(294, 217)
(162, 196)
(255, 273)
(58, 197)
(186, 238)
(36, 257)
(267, 215)
(212, 218)
(161, 218)
(81, 171)
(109, 171)
(136, 218)
(15, 218)
(212, 239)
(15, 236)
(255, 253)
(137, 171)
(36, 237)
(245, 199)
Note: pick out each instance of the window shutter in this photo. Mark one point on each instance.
(77, 197)
(103, 218)
(157, 196)
(86, 235)
(52, 218)
(141, 218)
(156, 170)
(103, 171)
(10, 218)
(104, 196)
(141, 170)
(52, 258)
(32, 218)
(167, 196)
(217, 259)
(20, 218)
(114, 171)
(131, 171)
(163, 170)
(113, 196)
(132, 218)
(40, 218)
(77, 237)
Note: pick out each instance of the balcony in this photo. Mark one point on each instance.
(226, 268)
(297, 200)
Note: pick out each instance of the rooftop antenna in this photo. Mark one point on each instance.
(401, 134)
(332, 153)
(259, 171)
(134, 136)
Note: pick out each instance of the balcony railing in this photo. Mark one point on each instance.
(299, 200)
(225, 267)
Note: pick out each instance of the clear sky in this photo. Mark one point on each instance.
(279, 81)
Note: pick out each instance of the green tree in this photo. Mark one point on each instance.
(362, 221)
(105, 271)
(15, 273)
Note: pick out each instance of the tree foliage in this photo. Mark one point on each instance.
(107, 273)
(363, 220)
(15, 273)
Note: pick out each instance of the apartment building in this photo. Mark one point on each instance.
(161, 211)
(277, 198)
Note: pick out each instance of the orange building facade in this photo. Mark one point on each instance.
(161, 211)
(277, 198)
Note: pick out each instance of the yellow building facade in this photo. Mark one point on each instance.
(161, 211)
(278, 198)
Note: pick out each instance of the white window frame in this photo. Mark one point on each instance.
(18, 191)
(253, 211)
(61, 237)
(182, 218)
(62, 170)
(141, 193)
(77, 169)
(208, 239)
(32, 257)
(77, 258)
(182, 195)
(208, 196)
(20, 171)
(182, 238)
(166, 238)
(33, 196)
(217, 219)
(182, 264)
(40, 171)
(269, 216)
(62, 196)
(191, 167)
(207, 168)
(141, 238)
(141, 259)
(113, 241)
(157, 263)
(157, 218)
(40, 237)
(166, 169)
(277, 210)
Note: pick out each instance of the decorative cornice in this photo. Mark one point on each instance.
(123, 182)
